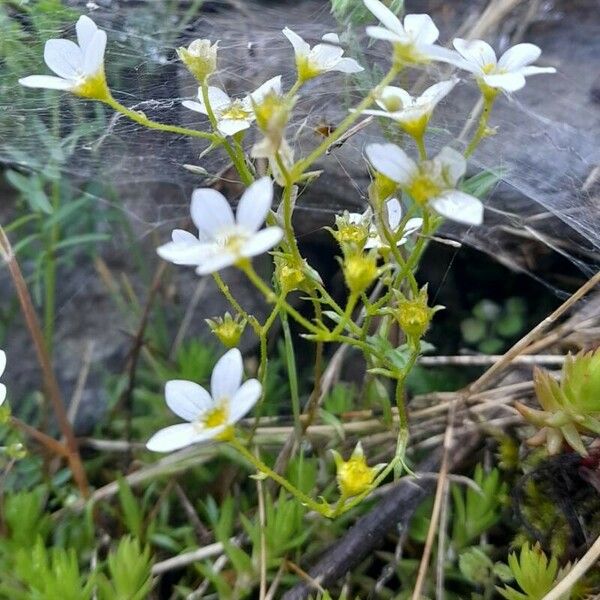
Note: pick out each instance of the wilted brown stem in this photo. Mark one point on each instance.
(49, 379)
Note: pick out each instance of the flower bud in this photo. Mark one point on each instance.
(229, 330)
(381, 189)
(414, 315)
(354, 476)
(200, 57)
(360, 270)
(289, 275)
(352, 231)
(272, 115)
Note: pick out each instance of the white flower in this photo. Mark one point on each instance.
(431, 182)
(80, 67)
(209, 416)
(224, 239)
(2, 367)
(200, 57)
(322, 58)
(233, 115)
(508, 73)
(413, 113)
(414, 41)
(394, 216)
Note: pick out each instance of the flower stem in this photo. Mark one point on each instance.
(268, 293)
(482, 129)
(140, 118)
(323, 509)
(300, 167)
(237, 157)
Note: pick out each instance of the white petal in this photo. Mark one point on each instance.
(385, 15)
(301, 48)
(445, 55)
(380, 113)
(394, 95)
(436, 92)
(227, 376)
(332, 38)
(412, 225)
(392, 161)
(217, 98)
(325, 56)
(86, 28)
(459, 207)
(185, 253)
(179, 436)
(421, 29)
(347, 65)
(509, 82)
(210, 212)
(187, 399)
(211, 263)
(182, 236)
(476, 52)
(47, 81)
(2, 393)
(271, 85)
(2, 362)
(394, 213)
(533, 70)
(93, 59)
(453, 163)
(233, 126)
(245, 398)
(519, 56)
(254, 204)
(262, 241)
(195, 106)
(381, 33)
(64, 57)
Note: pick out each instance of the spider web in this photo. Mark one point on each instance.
(546, 152)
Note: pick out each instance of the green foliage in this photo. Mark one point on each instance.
(534, 573)
(473, 512)
(129, 570)
(42, 573)
(354, 12)
(491, 326)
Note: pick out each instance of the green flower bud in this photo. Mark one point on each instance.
(354, 476)
(352, 231)
(360, 270)
(229, 330)
(200, 57)
(414, 315)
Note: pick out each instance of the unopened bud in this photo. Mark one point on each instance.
(200, 57)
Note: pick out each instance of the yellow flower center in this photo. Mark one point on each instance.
(422, 189)
(416, 127)
(93, 87)
(235, 111)
(215, 417)
(489, 68)
(352, 234)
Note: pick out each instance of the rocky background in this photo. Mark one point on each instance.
(541, 237)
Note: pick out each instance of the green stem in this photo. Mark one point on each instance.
(140, 118)
(346, 316)
(420, 141)
(290, 360)
(323, 509)
(224, 288)
(237, 158)
(300, 167)
(269, 295)
(481, 132)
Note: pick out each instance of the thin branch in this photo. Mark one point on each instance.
(49, 378)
